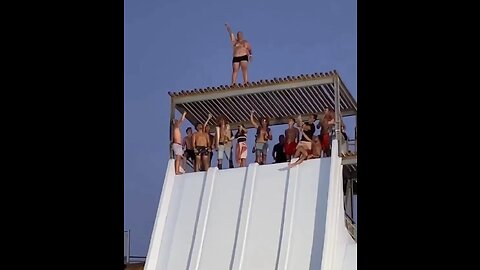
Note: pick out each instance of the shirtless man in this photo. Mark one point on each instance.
(201, 141)
(242, 54)
(188, 146)
(261, 141)
(292, 137)
(326, 125)
(177, 142)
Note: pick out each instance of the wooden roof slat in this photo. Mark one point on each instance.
(313, 97)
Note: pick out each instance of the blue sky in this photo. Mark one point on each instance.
(173, 45)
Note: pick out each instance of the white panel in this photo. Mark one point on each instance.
(223, 219)
(263, 235)
(350, 262)
(337, 237)
(158, 232)
(175, 252)
(310, 211)
(320, 213)
(260, 217)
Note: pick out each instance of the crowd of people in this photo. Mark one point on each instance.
(299, 141)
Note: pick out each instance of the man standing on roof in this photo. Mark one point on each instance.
(177, 143)
(242, 54)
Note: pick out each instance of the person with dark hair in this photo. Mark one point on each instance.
(242, 149)
(201, 141)
(188, 145)
(278, 154)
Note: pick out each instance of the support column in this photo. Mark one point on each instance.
(336, 83)
(172, 116)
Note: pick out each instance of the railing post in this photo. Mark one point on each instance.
(172, 116)
(355, 133)
(126, 235)
(336, 83)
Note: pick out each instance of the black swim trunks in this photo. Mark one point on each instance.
(201, 150)
(190, 154)
(240, 59)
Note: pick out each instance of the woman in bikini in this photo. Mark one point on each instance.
(242, 54)
(242, 148)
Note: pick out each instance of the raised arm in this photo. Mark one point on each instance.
(205, 129)
(179, 123)
(253, 120)
(299, 122)
(231, 34)
(229, 132)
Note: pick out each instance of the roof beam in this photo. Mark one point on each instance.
(349, 160)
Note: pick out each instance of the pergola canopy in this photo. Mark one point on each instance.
(278, 99)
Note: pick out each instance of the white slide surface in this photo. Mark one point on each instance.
(259, 217)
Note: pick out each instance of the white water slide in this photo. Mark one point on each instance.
(258, 217)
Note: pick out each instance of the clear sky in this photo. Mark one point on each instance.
(173, 45)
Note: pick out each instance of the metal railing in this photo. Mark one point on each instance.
(137, 259)
(349, 206)
(126, 246)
